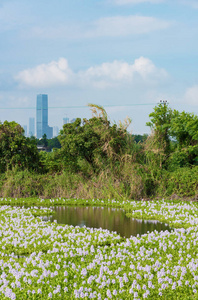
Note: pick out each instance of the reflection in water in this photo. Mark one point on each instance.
(107, 218)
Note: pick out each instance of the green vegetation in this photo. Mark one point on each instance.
(46, 260)
(17, 151)
(96, 159)
(48, 143)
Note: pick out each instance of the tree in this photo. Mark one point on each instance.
(174, 140)
(54, 143)
(184, 130)
(157, 145)
(160, 124)
(15, 149)
(138, 138)
(89, 145)
(43, 141)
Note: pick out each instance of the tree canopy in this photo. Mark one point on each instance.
(176, 134)
(92, 143)
(16, 149)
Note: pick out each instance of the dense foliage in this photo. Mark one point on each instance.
(175, 137)
(91, 145)
(15, 149)
(95, 158)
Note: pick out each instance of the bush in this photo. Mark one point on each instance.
(182, 182)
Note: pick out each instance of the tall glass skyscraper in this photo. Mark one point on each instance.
(31, 127)
(41, 115)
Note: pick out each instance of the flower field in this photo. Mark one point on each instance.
(44, 260)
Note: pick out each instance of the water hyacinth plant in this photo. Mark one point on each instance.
(44, 260)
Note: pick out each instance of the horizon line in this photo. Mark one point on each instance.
(83, 106)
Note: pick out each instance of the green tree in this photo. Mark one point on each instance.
(89, 145)
(159, 123)
(184, 128)
(15, 149)
(158, 144)
(54, 143)
(51, 161)
(43, 141)
(174, 139)
(184, 131)
(138, 138)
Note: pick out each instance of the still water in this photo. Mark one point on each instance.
(107, 218)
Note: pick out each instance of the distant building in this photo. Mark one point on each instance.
(25, 129)
(42, 126)
(55, 131)
(65, 121)
(31, 127)
(73, 120)
(41, 115)
(49, 132)
(43, 148)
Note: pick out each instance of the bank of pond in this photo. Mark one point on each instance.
(98, 249)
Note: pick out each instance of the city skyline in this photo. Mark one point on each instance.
(125, 55)
(40, 126)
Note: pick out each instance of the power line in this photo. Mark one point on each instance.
(83, 106)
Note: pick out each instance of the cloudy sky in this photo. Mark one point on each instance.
(126, 55)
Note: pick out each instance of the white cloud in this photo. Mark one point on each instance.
(121, 73)
(116, 26)
(191, 95)
(105, 75)
(126, 25)
(46, 75)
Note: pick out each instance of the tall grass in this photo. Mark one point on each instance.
(134, 181)
(65, 184)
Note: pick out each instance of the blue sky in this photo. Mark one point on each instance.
(126, 55)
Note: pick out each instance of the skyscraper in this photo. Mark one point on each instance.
(42, 117)
(65, 120)
(31, 127)
(55, 131)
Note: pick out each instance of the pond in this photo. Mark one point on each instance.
(107, 218)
